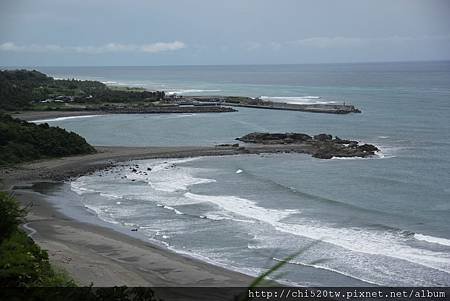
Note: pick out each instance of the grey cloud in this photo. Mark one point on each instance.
(107, 48)
(346, 42)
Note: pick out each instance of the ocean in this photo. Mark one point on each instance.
(375, 221)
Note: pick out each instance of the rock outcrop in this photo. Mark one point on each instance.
(322, 146)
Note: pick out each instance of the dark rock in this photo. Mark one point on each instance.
(341, 141)
(275, 138)
(288, 140)
(353, 144)
(321, 146)
(228, 145)
(323, 137)
(299, 136)
(322, 155)
(368, 148)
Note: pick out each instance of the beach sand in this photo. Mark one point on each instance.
(39, 115)
(104, 257)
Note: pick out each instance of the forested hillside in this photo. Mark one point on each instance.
(20, 89)
(23, 141)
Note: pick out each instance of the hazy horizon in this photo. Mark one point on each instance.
(228, 65)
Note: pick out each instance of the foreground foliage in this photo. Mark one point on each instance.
(11, 215)
(23, 141)
(22, 262)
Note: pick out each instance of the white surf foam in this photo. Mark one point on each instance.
(239, 171)
(243, 207)
(172, 209)
(110, 195)
(125, 84)
(189, 91)
(101, 212)
(390, 244)
(166, 175)
(63, 118)
(387, 152)
(79, 188)
(432, 239)
(171, 182)
(350, 158)
(298, 99)
(323, 267)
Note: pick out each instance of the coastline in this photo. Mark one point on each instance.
(39, 115)
(92, 253)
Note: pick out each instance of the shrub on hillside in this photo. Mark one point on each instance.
(22, 262)
(11, 215)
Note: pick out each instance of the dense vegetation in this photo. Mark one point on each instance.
(23, 141)
(22, 262)
(18, 88)
(22, 89)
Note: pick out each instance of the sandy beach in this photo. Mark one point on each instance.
(39, 115)
(94, 254)
(104, 257)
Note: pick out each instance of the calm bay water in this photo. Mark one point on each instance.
(382, 220)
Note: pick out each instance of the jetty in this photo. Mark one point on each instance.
(313, 108)
(257, 103)
(168, 109)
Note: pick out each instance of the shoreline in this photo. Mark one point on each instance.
(64, 168)
(99, 254)
(94, 253)
(40, 115)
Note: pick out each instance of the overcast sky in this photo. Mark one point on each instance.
(192, 32)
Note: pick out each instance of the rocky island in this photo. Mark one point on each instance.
(322, 146)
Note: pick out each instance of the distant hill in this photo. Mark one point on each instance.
(22, 141)
(19, 89)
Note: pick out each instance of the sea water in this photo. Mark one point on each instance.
(382, 220)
